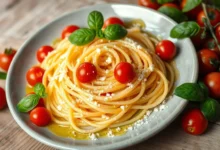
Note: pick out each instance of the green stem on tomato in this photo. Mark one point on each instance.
(208, 24)
(3, 75)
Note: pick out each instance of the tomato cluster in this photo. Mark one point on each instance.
(208, 52)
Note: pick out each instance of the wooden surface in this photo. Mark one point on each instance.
(21, 18)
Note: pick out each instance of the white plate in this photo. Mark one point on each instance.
(157, 23)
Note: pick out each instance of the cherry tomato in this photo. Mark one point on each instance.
(217, 33)
(213, 15)
(204, 57)
(198, 40)
(210, 44)
(171, 5)
(212, 81)
(192, 13)
(86, 72)
(43, 52)
(194, 122)
(3, 102)
(68, 30)
(166, 50)
(34, 75)
(40, 116)
(113, 20)
(149, 3)
(124, 72)
(6, 58)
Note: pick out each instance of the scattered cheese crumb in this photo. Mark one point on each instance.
(122, 107)
(92, 136)
(109, 60)
(118, 129)
(110, 133)
(102, 78)
(151, 67)
(98, 50)
(59, 107)
(130, 85)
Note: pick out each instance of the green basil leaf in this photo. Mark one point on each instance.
(204, 88)
(115, 32)
(39, 89)
(211, 109)
(3, 75)
(190, 91)
(82, 36)
(216, 3)
(185, 29)
(190, 4)
(100, 34)
(164, 1)
(95, 20)
(28, 103)
(173, 13)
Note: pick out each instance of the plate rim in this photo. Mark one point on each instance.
(121, 144)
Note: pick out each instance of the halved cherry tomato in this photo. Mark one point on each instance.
(212, 81)
(6, 58)
(211, 44)
(194, 122)
(3, 102)
(149, 3)
(205, 56)
(43, 52)
(34, 75)
(40, 116)
(124, 72)
(171, 5)
(166, 50)
(217, 33)
(192, 14)
(86, 72)
(68, 30)
(213, 14)
(113, 20)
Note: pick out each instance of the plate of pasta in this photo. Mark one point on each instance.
(101, 77)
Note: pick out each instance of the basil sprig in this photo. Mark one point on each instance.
(173, 13)
(95, 22)
(164, 1)
(185, 29)
(30, 101)
(3, 75)
(198, 92)
(191, 4)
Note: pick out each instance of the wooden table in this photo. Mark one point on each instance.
(21, 18)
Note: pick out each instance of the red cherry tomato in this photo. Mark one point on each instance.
(192, 14)
(124, 72)
(213, 14)
(205, 56)
(86, 72)
(149, 3)
(68, 30)
(194, 122)
(43, 52)
(171, 5)
(166, 50)
(198, 40)
(217, 33)
(113, 20)
(34, 75)
(210, 44)
(6, 58)
(212, 81)
(40, 116)
(3, 102)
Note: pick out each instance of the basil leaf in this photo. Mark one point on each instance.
(190, 4)
(100, 34)
(82, 36)
(190, 91)
(164, 1)
(3, 75)
(204, 88)
(39, 89)
(115, 32)
(211, 109)
(185, 29)
(216, 3)
(173, 13)
(95, 20)
(28, 103)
